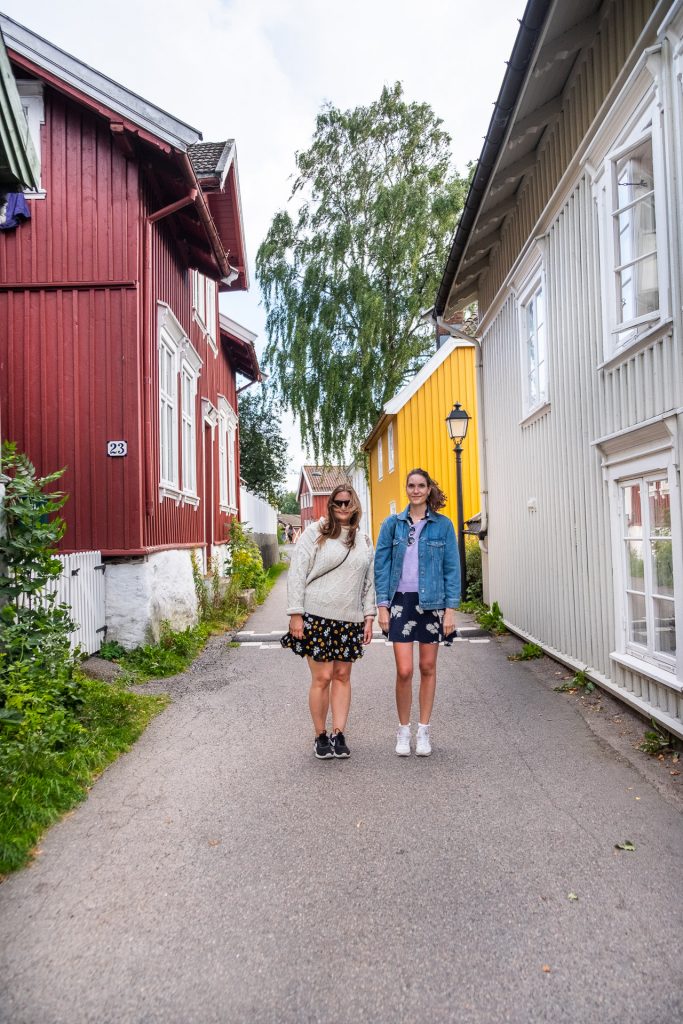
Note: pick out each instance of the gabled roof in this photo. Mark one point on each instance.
(323, 479)
(395, 404)
(95, 86)
(239, 344)
(208, 211)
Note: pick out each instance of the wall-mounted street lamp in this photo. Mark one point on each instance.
(457, 422)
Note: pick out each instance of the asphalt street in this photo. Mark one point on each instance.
(219, 873)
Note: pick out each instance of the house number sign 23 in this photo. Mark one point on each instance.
(117, 448)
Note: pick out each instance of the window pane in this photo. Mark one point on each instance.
(635, 174)
(637, 622)
(665, 627)
(660, 508)
(635, 576)
(632, 511)
(662, 568)
(638, 290)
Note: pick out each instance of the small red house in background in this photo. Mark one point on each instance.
(316, 483)
(114, 362)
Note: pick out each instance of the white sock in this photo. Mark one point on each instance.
(404, 726)
(421, 725)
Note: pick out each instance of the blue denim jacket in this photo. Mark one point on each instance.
(438, 559)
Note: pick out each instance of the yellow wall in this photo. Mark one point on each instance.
(421, 440)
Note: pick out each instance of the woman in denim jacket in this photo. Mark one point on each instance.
(417, 583)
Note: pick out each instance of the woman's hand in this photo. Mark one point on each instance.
(296, 626)
(449, 621)
(383, 617)
(367, 629)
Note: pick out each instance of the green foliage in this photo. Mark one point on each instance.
(111, 650)
(475, 583)
(263, 449)
(41, 780)
(491, 619)
(246, 563)
(200, 589)
(38, 691)
(655, 740)
(171, 655)
(579, 681)
(346, 276)
(527, 653)
(289, 505)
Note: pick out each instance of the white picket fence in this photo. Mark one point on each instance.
(81, 587)
(258, 515)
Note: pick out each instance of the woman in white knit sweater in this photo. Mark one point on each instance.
(331, 604)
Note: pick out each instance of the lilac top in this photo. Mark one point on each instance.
(409, 582)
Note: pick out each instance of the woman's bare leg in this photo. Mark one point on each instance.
(428, 654)
(403, 655)
(319, 693)
(340, 694)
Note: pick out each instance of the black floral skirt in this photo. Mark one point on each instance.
(410, 623)
(327, 639)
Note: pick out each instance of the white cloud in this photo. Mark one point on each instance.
(258, 71)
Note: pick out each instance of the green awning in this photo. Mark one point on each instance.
(19, 164)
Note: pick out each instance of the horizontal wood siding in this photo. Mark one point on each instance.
(69, 309)
(596, 71)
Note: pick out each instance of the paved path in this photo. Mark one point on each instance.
(218, 873)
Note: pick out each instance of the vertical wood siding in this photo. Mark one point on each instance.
(593, 77)
(69, 370)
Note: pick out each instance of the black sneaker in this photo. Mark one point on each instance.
(339, 747)
(322, 748)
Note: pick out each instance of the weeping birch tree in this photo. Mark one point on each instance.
(346, 274)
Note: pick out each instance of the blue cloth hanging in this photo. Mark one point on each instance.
(16, 211)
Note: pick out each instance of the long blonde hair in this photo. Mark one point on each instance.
(331, 527)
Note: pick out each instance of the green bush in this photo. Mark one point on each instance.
(246, 563)
(475, 583)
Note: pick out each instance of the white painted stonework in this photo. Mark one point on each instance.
(142, 593)
(220, 556)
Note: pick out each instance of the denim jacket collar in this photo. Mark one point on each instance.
(405, 514)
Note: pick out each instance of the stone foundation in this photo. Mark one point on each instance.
(141, 593)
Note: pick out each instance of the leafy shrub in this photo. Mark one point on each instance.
(475, 583)
(246, 563)
(491, 619)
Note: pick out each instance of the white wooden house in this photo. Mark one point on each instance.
(571, 244)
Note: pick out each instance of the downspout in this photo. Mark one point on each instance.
(455, 332)
(148, 335)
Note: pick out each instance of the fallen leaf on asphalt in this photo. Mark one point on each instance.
(214, 842)
(674, 773)
(637, 798)
(359, 823)
(626, 845)
(546, 968)
(572, 896)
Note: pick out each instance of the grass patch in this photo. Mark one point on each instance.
(41, 781)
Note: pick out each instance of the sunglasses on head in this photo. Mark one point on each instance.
(341, 504)
(411, 536)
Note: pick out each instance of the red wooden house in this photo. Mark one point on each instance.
(113, 360)
(316, 484)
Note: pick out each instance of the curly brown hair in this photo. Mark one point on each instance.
(436, 499)
(331, 526)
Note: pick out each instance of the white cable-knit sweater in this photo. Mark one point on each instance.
(346, 593)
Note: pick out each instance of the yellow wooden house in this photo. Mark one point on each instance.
(412, 433)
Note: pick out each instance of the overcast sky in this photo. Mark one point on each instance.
(258, 71)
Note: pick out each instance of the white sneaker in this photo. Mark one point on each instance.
(423, 747)
(403, 741)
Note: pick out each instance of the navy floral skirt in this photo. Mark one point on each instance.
(409, 623)
(327, 639)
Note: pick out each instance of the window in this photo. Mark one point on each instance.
(648, 568)
(204, 302)
(179, 370)
(629, 188)
(534, 343)
(227, 444)
(380, 460)
(640, 467)
(390, 447)
(392, 508)
(31, 95)
(168, 409)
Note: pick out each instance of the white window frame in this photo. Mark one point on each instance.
(205, 306)
(32, 96)
(190, 369)
(184, 360)
(533, 285)
(227, 443)
(390, 447)
(392, 508)
(642, 455)
(380, 460)
(636, 116)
